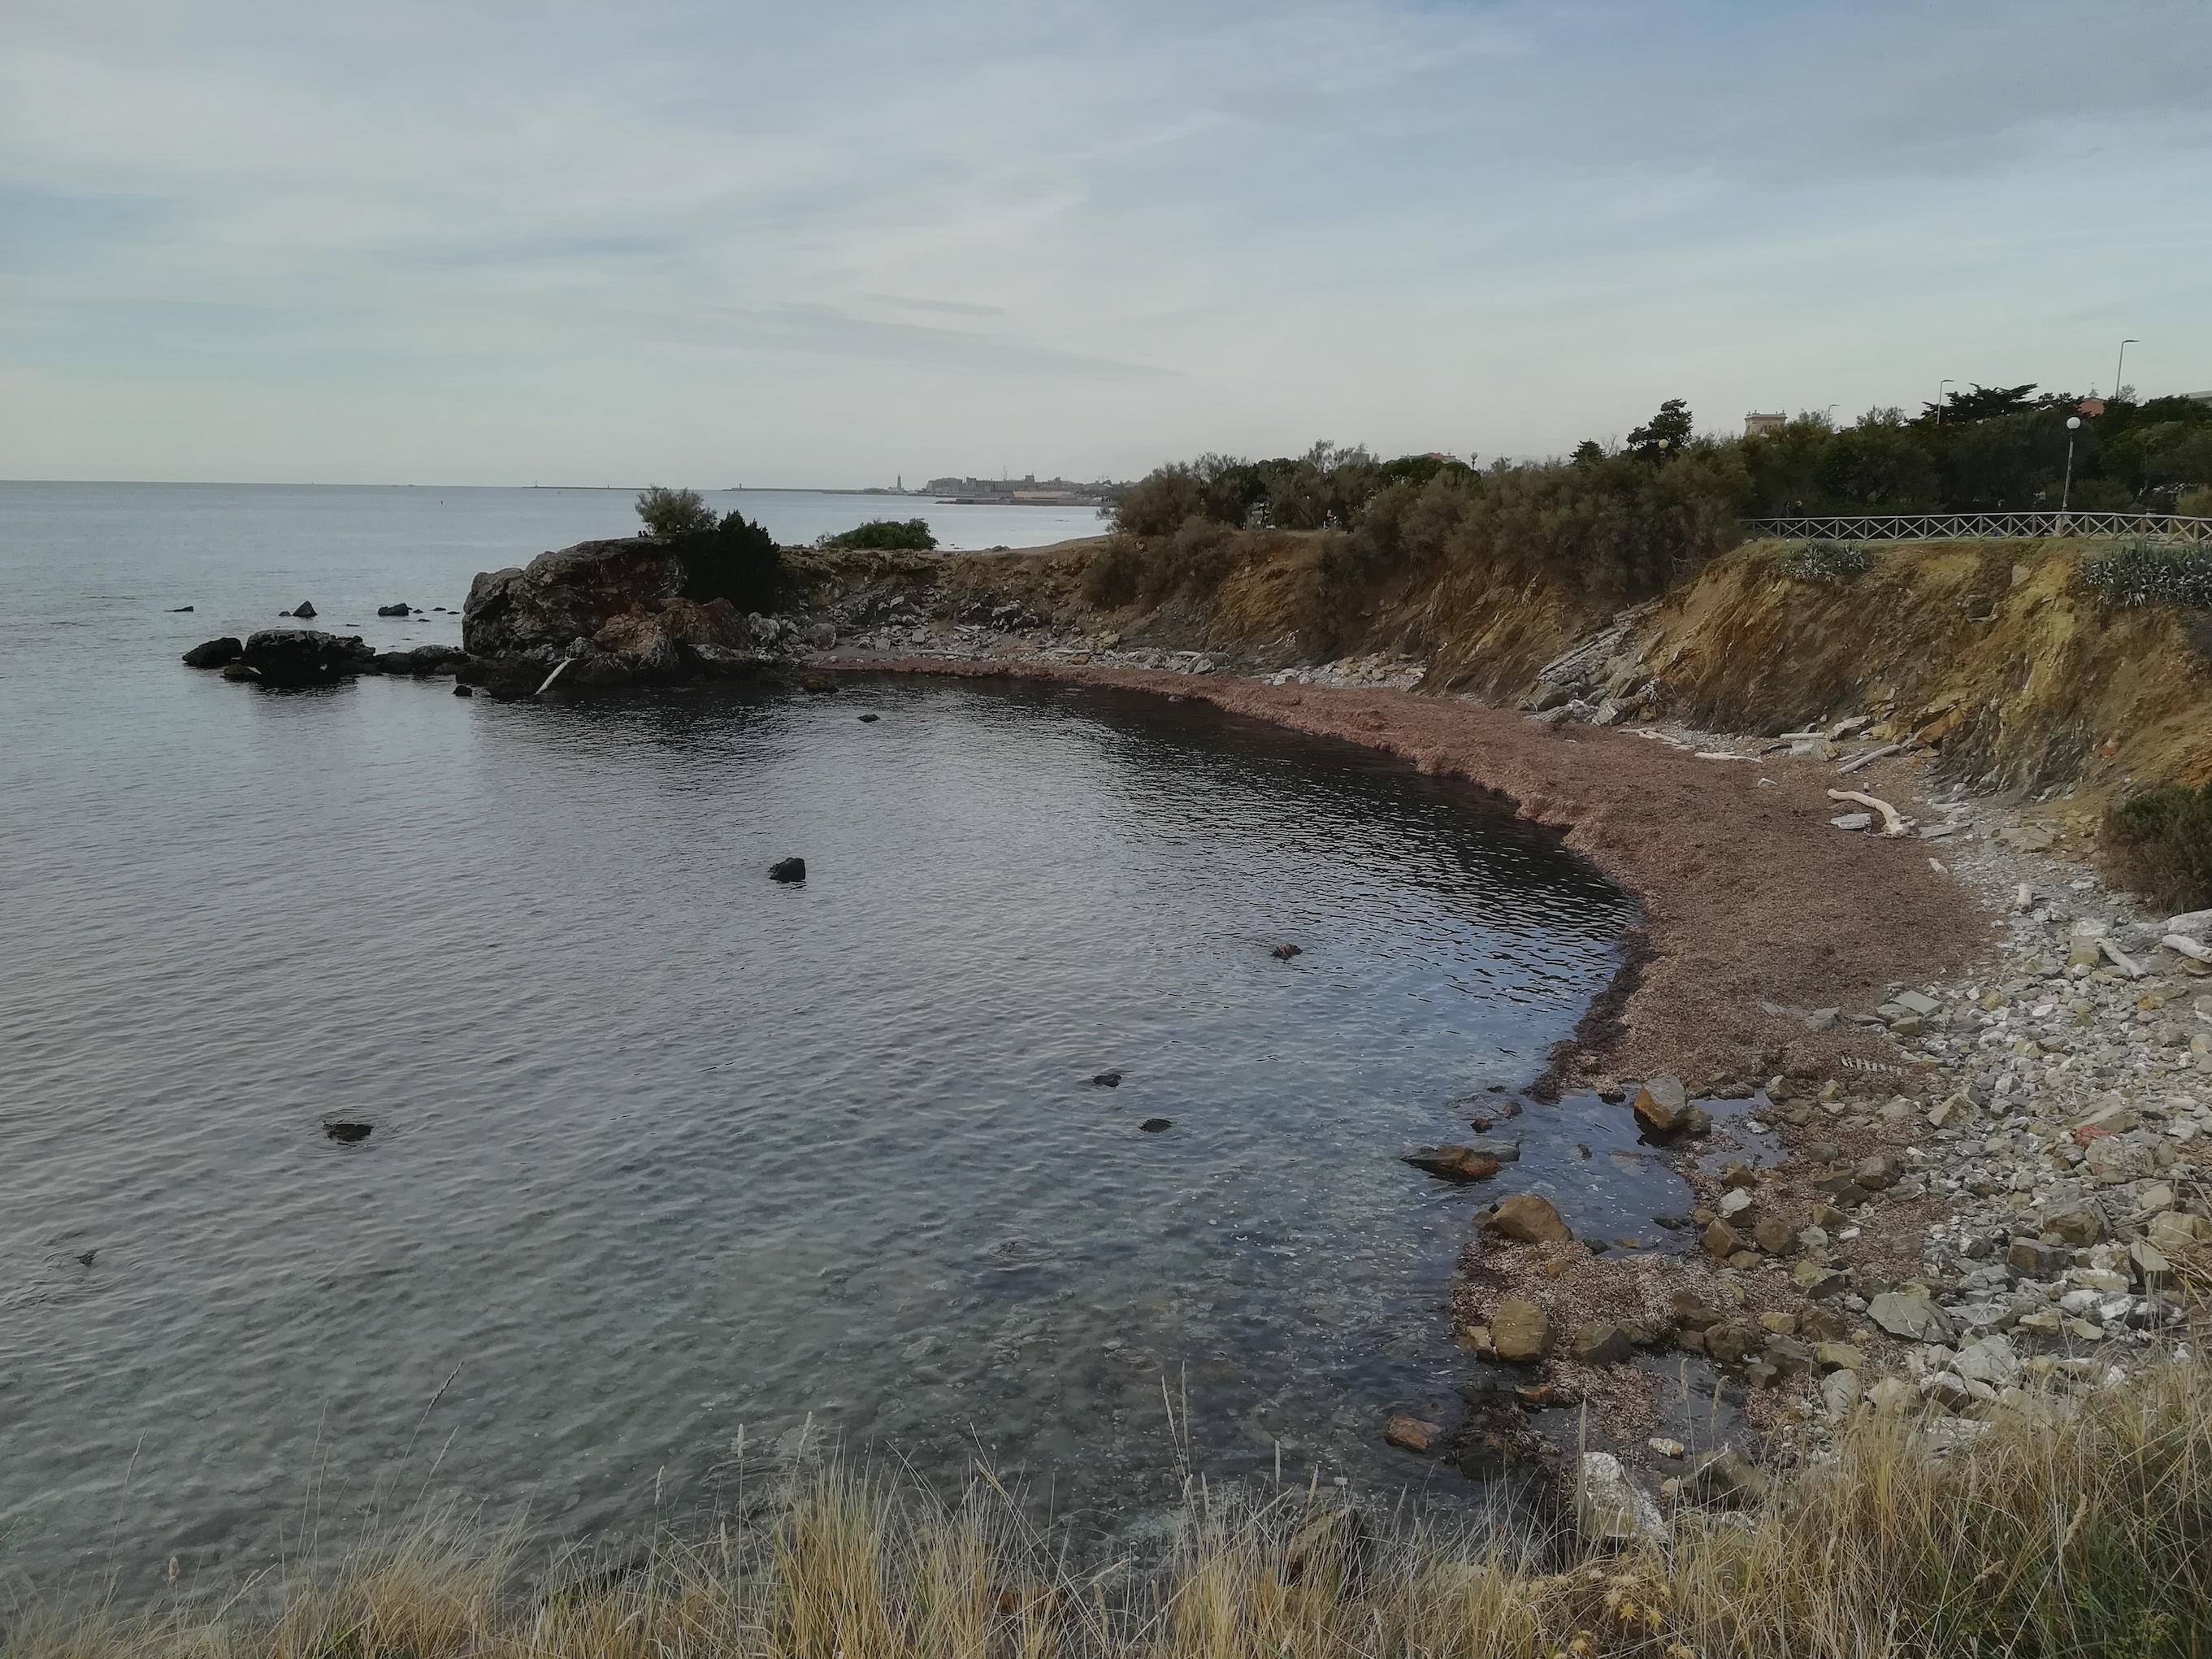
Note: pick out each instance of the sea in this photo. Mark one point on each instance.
(1003, 1142)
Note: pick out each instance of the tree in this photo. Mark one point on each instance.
(1664, 433)
(674, 512)
(1984, 403)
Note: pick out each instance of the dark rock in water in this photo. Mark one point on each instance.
(303, 609)
(819, 684)
(394, 609)
(1454, 1162)
(559, 597)
(178, 610)
(1107, 1080)
(304, 656)
(1673, 1224)
(870, 719)
(85, 1258)
(464, 691)
(422, 659)
(239, 671)
(347, 1134)
(1284, 952)
(788, 870)
(1153, 1125)
(214, 652)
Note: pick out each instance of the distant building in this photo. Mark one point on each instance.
(2199, 397)
(1028, 491)
(1758, 426)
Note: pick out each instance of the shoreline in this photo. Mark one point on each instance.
(2014, 1245)
(1743, 905)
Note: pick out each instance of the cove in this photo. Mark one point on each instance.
(673, 1170)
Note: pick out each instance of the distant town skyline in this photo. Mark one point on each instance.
(495, 243)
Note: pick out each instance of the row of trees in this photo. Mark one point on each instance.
(1989, 449)
(1986, 449)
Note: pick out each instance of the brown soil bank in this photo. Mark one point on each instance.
(1990, 654)
(1749, 899)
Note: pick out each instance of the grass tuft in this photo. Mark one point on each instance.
(1824, 561)
(2140, 573)
(2080, 1529)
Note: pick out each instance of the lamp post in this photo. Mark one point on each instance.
(2121, 364)
(1939, 384)
(2066, 490)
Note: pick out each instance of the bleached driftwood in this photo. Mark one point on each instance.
(1892, 821)
(559, 669)
(1867, 759)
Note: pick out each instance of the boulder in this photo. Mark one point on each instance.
(2078, 1226)
(1610, 1508)
(788, 870)
(303, 610)
(1529, 1218)
(1721, 1241)
(2032, 1260)
(395, 610)
(1733, 1341)
(1601, 1343)
(1453, 1162)
(1663, 1105)
(214, 652)
(1692, 1312)
(1520, 1331)
(1153, 1125)
(1991, 1360)
(304, 656)
(1839, 1392)
(1775, 1238)
(1914, 1318)
(1412, 1433)
(1107, 1080)
(1724, 1475)
(576, 591)
(1284, 952)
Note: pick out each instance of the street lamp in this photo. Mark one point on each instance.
(1939, 384)
(2066, 490)
(1831, 416)
(2117, 367)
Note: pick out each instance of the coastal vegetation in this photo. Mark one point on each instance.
(2039, 1536)
(2160, 844)
(724, 557)
(885, 535)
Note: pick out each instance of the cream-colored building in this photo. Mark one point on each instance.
(1758, 426)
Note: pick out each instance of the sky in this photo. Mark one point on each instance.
(479, 241)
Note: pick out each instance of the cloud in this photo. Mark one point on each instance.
(902, 236)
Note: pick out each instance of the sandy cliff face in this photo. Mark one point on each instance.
(1990, 654)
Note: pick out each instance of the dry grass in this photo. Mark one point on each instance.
(2050, 1535)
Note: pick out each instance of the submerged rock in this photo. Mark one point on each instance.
(1284, 952)
(1153, 1125)
(1453, 1162)
(1107, 1080)
(348, 1133)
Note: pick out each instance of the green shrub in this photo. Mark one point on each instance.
(2196, 504)
(2159, 845)
(1825, 562)
(1115, 574)
(886, 535)
(674, 512)
(2151, 573)
(735, 560)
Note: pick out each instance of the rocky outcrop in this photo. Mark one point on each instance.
(560, 597)
(304, 656)
(215, 654)
(614, 612)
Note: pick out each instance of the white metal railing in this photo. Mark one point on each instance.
(1987, 527)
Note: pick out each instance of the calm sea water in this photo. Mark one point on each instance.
(667, 1159)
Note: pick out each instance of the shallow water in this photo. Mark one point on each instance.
(665, 1154)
